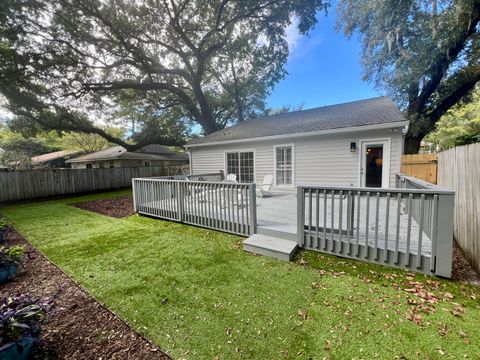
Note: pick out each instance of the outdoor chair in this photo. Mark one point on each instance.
(231, 178)
(264, 188)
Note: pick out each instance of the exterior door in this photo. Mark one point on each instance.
(374, 164)
(284, 166)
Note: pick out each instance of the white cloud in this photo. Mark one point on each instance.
(300, 45)
(292, 36)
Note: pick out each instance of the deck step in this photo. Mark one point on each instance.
(270, 246)
(276, 233)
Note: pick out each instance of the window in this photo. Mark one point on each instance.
(147, 164)
(112, 164)
(88, 165)
(284, 165)
(241, 164)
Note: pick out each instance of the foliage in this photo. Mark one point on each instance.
(10, 255)
(21, 316)
(3, 223)
(426, 54)
(64, 63)
(173, 282)
(460, 126)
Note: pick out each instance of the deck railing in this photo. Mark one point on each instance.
(402, 227)
(229, 207)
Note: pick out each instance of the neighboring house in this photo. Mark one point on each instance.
(55, 159)
(117, 156)
(358, 143)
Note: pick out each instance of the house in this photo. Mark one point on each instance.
(357, 143)
(117, 156)
(55, 159)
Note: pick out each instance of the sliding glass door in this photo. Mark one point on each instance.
(241, 163)
(284, 165)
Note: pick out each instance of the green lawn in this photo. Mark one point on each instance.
(197, 295)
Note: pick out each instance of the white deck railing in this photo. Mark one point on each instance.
(229, 207)
(404, 227)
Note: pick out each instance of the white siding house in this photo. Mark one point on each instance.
(358, 143)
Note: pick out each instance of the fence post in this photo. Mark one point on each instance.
(444, 248)
(134, 196)
(179, 201)
(253, 208)
(300, 216)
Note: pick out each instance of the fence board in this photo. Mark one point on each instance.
(34, 184)
(459, 169)
(421, 166)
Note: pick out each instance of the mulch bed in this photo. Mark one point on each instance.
(78, 327)
(117, 207)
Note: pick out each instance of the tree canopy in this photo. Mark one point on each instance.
(69, 64)
(460, 126)
(425, 54)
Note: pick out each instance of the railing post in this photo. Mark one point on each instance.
(179, 201)
(134, 196)
(300, 216)
(444, 246)
(253, 209)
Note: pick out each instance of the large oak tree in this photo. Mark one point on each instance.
(66, 63)
(425, 53)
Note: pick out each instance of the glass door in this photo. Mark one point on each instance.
(373, 170)
(284, 166)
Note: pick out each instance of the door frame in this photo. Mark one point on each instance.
(292, 185)
(386, 160)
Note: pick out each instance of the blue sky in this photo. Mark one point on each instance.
(323, 68)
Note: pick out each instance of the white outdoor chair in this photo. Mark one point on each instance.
(264, 188)
(231, 178)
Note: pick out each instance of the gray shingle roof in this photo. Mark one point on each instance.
(374, 111)
(149, 152)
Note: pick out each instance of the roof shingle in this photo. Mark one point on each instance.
(374, 111)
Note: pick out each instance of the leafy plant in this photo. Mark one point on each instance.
(21, 315)
(4, 224)
(11, 255)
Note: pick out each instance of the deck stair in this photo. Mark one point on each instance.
(272, 246)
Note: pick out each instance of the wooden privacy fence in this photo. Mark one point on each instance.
(459, 169)
(374, 225)
(229, 207)
(32, 184)
(421, 166)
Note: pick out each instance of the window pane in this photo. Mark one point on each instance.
(232, 164)
(284, 172)
(246, 167)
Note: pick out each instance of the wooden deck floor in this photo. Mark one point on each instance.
(279, 212)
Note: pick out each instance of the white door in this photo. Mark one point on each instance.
(375, 163)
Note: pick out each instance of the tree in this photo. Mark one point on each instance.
(425, 54)
(211, 62)
(460, 126)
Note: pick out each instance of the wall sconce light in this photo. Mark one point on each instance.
(353, 147)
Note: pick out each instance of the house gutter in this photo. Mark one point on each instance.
(398, 124)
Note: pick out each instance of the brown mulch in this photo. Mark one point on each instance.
(462, 270)
(78, 327)
(118, 207)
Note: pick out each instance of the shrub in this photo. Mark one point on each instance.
(21, 316)
(11, 255)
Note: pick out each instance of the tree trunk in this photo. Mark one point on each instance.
(412, 144)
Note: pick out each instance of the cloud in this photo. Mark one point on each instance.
(300, 45)
(292, 36)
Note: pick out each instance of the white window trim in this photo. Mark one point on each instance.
(292, 145)
(225, 166)
(386, 161)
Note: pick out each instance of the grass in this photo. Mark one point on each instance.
(197, 295)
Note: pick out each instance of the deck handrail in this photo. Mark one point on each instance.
(224, 206)
(411, 218)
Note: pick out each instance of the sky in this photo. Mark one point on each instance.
(323, 68)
